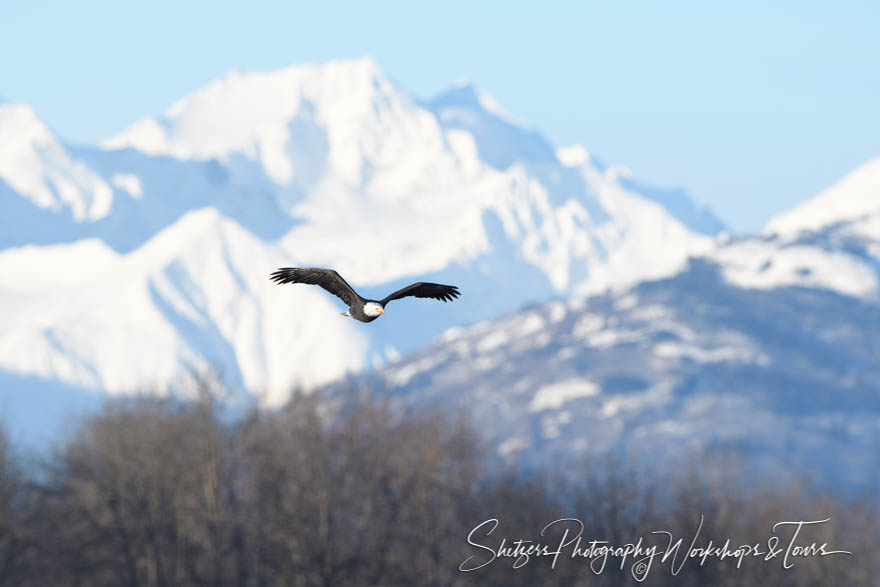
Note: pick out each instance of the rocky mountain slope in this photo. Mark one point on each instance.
(766, 346)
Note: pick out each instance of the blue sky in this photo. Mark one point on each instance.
(751, 106)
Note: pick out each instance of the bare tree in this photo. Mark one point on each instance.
(163, 492)
(15, 540)
(138, 495)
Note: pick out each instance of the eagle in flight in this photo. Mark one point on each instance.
(358, 307)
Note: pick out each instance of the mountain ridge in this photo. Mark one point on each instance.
(343, 169)
(786, 376)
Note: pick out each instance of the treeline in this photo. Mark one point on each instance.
(170, 493)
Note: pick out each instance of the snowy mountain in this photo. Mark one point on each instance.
(124, 266)
(352, 154)
(831, 241)
(36, 166)
(52, 193)
(856, 197)
(766, 345)
(787, 375)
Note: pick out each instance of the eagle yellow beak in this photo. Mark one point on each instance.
(381, 310)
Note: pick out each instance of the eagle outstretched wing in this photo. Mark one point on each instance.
(434, 291)
(326, 278)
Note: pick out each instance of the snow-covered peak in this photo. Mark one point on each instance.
(464, 94)
(196, 295)
(344, 117)
(855, 196)
(36, 165)
(830, 242)
(675, 203)
(20, 122)
(500, 138)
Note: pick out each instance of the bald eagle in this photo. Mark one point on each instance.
(358, 307)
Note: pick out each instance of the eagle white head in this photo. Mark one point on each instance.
(373, 309)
